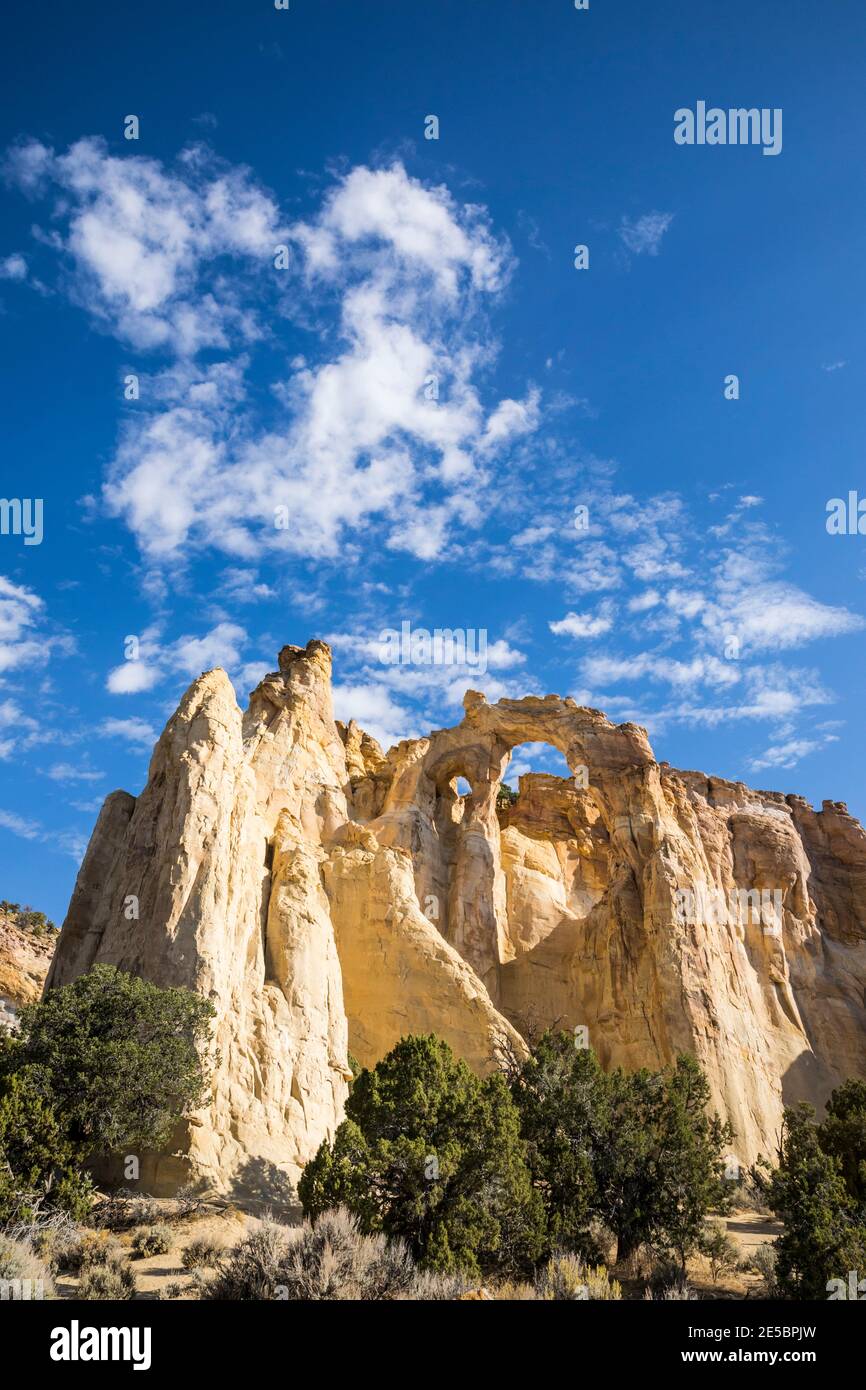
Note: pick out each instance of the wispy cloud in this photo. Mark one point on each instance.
(13, 267)
(186, 656)
(68, 772)
(790, 753)
(136, 732)
(644, 235)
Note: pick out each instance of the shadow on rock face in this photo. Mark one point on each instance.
(260, 1186)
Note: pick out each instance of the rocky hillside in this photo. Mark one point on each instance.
(329, 898)
(25, 955)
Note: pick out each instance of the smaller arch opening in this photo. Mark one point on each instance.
(534, 757)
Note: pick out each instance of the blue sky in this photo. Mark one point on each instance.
(303, 388)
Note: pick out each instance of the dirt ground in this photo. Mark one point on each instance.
(156, 1273)
(748, 1230)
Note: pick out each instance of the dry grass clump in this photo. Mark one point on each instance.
(152, 1240)
(203, 1253)
(111, 1281)
(24, 1274)
(331, 1260)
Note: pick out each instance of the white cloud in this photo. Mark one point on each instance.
(595, 569)
(244, 586)
(134, 731)
(773, 694)
(219, 647)
(767, 614)
(12, 716)
(532, 535)
(21, 610)
(706, 670)
(500, 655)
(139, 235)
(645, 234)
(67, 772)
(19, 825)
(787, 754)
(13, 267)
(71, 842)
(389, 424)
(584, 624)
(420, 226)
(131, 677)
(386, 691)
(511, 419)
(249, 676)
(650, 598)
(187, 656)
(373, 707)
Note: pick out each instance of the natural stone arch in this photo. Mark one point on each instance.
(465, 878)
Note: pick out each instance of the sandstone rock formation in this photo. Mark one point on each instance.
(331, 899)
(24, 960)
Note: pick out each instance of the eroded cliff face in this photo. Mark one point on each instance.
(241, 873)
(329, 898)
(25, 957)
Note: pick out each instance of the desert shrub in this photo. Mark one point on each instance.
(251, 1269)
(202, 1253)
(144, 1210)
(108, 1282)
(514, 1291)
(668, 1282)
(331, 1260)
(430, 1287)
(334, 1260)
(85, 1250)
(177, 1289)
(52, 1240)
(188, 1203)
(565, 1277)
(117, 1058)
(750, 1192)
(720, 1251)
(763, 1262)
(680, 1291)
(108, 1061)
(23, 1272)
(431, 1154)
(151, 1240)
(27, 918)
